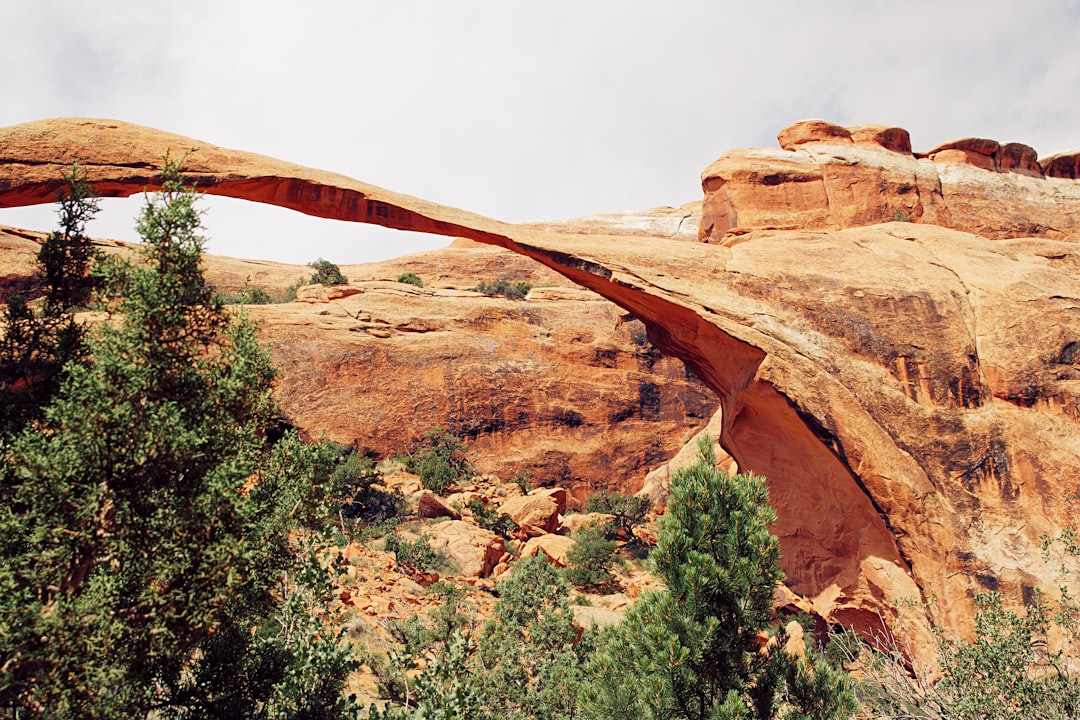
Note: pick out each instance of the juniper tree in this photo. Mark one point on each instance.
(144, 533)
(690, 651)
(35, 344)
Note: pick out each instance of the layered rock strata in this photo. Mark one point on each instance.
(827, 177)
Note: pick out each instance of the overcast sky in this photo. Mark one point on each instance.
(526, 111)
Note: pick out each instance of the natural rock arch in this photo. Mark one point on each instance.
(916, 437)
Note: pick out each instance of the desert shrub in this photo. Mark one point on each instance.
(529, 657)
(357, 483)
(412, 554)
(524, 664)
(410, 279)
(247, 295)
(628, 511)
(1018, 664)
(440, 461)
(591, 559)
(522, 481)
(490, 519)
(326, 273)
(290, 291)
(508, 289)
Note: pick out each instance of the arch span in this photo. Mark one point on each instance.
(835, 355)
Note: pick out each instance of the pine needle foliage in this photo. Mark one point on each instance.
(35, 344)
(690, 651)
(146, 518)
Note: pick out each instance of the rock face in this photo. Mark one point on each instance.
(910, 389)
(473, 550)
(563, 386)
(826, 177)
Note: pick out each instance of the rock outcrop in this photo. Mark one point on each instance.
(910, 389)
(827, 177)
(564, 386)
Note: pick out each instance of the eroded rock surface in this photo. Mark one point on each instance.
(910, 389)
(827, 177)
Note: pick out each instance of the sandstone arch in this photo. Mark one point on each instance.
(907, 389)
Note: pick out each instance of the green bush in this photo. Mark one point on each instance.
(357, 483)
(326, 273)
(150, 552)
(628, 511)
(591, 559)
(440, 462)
(410, 279)
(490, 519)
(246, 295)
(506, 288)
(35, 344)
(522, 481)
(1016, 665)
(412, 554)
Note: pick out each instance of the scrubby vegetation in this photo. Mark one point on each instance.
(1019, 663)
(326, 273)
(440, 461)
(410, 279)
(591, 559)
(506, 288)
(627, 511)
(247, 295)
(161, 557)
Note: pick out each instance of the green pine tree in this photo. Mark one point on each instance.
(36, 344)
(690, 651)
(144, 528)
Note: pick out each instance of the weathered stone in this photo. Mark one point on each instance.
(812, 131)
(554, 548)
(575, 521)
(474, 550)
(558, 495)
(895, 139)
(532, 511)
(428, 505)
(1062, 165)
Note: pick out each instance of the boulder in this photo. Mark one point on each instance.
(472, 550)
(812, 131)
(558, 495)
(429, 505)
(553, 547)
(575, 521)
(532, 513)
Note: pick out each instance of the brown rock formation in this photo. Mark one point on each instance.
(534, 514)
(429, 505)
(474, 551)
(563, 386)
(553, 548)
(827, 177)
(911, 391)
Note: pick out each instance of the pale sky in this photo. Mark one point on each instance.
(525, 111)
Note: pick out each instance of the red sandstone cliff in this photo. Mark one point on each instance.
(910, 389)
(563, 385)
